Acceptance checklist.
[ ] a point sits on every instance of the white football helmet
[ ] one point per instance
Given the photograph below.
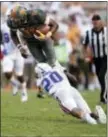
(41, 69)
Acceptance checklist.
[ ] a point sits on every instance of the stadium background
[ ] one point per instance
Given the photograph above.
(74, 18)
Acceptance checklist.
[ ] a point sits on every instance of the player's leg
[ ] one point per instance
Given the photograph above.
(48, 48)
(82, 104)
(36, 50)
(39, 89)
(24, 96)
(69, 106)
(19, 68)
(102, 73)
(49, 51)
(7, 68)
(40, 93)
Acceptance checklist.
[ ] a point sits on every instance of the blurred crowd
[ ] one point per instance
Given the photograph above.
(74, 18)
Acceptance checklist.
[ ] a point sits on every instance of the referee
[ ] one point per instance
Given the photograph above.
(96, 40)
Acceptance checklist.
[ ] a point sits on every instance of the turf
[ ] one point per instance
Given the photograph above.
(43, 117)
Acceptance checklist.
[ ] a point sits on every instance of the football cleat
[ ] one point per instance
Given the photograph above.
(15, 91)
(102, 116)
(24, 97)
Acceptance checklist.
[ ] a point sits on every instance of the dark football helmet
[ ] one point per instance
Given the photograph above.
(18, 16)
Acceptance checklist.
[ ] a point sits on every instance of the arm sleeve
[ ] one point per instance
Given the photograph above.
(86, 39)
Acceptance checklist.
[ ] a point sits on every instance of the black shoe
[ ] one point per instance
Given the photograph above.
(40, 96)
(93, 115)
(102, 102)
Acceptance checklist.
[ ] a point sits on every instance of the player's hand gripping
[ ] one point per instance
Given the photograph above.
(24, 50)
(42, 36)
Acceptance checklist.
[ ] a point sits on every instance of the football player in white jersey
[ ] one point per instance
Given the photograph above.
(56, 84)
(12, 62)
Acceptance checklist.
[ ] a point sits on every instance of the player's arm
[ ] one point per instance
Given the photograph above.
(21, 46)
(86, 48)
(14, 37)
(85, 41)
(16, 41)
(44, 19)
(13, 31)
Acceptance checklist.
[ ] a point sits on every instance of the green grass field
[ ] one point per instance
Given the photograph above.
(43, 117)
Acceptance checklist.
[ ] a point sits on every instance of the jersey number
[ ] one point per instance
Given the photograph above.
(53, 78)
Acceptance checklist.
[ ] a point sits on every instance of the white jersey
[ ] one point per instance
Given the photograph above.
(12, 59)
(53, 81)
(8, 44)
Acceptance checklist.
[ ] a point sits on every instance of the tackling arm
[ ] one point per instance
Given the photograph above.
(13, 31)
(23, 48)
(14, 37)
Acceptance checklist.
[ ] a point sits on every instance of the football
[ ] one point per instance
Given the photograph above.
(44, 29)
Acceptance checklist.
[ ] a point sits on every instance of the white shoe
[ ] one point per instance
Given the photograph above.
(101, 114)
(24, 97)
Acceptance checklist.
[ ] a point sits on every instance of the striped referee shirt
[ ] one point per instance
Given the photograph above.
(97, 40)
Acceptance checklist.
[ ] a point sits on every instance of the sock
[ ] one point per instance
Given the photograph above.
(15, 82)
(15, 85)
(23, 88)
(95, 116)
(86, 117)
